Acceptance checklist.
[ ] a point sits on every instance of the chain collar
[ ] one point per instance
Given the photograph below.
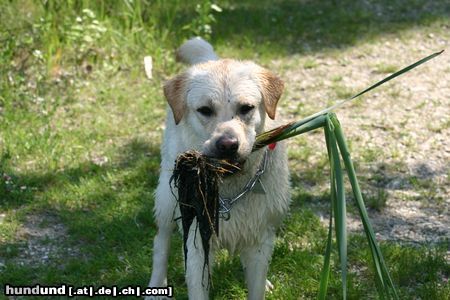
(225, 204)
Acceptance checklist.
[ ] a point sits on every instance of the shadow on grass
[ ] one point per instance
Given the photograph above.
(396, 176)
(415, 214)
(303, 26)
(106, 212)
(399, 176)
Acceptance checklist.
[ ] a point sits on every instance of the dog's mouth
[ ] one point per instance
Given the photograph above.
(235, 166)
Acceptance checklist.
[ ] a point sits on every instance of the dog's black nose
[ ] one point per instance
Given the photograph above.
(227, 146)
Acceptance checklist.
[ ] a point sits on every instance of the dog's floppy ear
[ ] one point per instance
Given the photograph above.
(175, 92)
(271, 90)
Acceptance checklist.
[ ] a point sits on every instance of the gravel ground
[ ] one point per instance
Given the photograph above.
(399, 133)
(45, 235)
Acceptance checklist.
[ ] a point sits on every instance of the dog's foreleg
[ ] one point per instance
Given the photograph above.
(161, 246)
(196, 270)
(255, 261)
(164, 213)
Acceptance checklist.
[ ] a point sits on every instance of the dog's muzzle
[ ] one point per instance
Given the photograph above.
(227, 147)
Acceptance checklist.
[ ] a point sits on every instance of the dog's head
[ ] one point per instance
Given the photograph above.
(224, 104)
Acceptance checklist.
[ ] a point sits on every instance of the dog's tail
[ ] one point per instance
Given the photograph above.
(196, 51)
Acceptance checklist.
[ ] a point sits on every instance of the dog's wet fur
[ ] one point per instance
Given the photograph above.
(218, 106)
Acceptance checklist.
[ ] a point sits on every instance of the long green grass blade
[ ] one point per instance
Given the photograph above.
(385, 284)
(340, 214)
(325, 275)
(335, 144)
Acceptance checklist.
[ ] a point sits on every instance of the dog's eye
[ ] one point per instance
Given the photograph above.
(206, 111)
(245, 109)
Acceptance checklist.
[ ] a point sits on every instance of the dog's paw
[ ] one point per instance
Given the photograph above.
(269, 286)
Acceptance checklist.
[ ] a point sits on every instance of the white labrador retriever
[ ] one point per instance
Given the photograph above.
(218, 106)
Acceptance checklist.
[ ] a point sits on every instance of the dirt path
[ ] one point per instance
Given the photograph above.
(399, 133)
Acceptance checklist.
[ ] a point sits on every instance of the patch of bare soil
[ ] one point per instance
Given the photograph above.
(45, 238)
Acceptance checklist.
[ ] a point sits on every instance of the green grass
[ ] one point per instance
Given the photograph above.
(386, 68)
(80, 130)
(309, 64)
